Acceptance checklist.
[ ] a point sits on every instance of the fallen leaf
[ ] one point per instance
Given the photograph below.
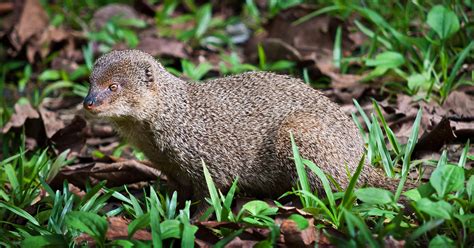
(315, 35)
(23, 111)
(51, 120)
(238, 242)
(5, 8)
(71, 137)
(118, 229)
(294, 237)
(277, 49)
(434, 140)
(116, 173)
(163, 47)
(32, 21)
(105, 13)
(43, 43)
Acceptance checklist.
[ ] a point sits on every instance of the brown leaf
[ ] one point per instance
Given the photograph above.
(51, 120)
(5, 8)
(71, 137)
(238, 242)
(433, 141)
(118, 229)
(162, 47)
(116, 173)
(313, 38)
(42, 44)
(23, 111)
(294, 237)
(277, 49)
(459, 103)
(286, 211)
(104, 14)
(32, 21)
(76, 190)
(306, 37)
(340, 81)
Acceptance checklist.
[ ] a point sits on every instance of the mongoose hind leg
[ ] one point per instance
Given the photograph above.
(323, 143)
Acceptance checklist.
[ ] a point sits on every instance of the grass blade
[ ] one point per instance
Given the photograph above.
(368, 124)
(382, 147)
(448, 85)
(388, 131)
(337, 52)
(325, 182)
(353, 221)
(212, 192)
(20, 212)
(408, 151)
(463, 158)
(352, 183)
(300, 170)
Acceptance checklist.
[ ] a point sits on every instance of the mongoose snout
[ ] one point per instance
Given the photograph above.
(238, 125)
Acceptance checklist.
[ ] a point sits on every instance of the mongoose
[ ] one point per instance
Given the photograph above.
(238, 125)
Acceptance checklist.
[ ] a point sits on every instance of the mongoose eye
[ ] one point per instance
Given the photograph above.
(113, 87)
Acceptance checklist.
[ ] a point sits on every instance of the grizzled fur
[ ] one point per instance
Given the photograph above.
(238, 125)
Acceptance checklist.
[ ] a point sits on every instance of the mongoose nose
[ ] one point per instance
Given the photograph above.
(88, 104)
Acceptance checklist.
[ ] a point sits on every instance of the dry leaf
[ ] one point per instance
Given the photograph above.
(23, 111)
(116, 173)
(32, 21)
(104, 14)
(71, 137)
(162, 47)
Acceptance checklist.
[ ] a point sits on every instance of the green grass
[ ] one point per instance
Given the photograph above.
(423, 60)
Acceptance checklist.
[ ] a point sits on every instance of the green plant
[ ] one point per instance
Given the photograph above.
(192, 71)
(257, 213)
(280, 65)
(378, 151)
(254, 17)
(161, 215)
(327, 209)
(206, 30)
(220, 204)
(24, 180)
(442, 204)
(55, 80)
(116, 30)
(425, 62)
(20, 177)
(231, 64)
(254, 213)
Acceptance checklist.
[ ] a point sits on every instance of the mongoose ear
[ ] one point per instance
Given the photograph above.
(149, 75)
(146, 72)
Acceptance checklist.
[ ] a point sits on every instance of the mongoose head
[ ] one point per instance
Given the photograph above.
(120, 82)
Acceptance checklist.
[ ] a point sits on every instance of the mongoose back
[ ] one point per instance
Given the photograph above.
(238, 125)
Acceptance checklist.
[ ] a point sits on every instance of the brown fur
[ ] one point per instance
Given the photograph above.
(238, 125)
